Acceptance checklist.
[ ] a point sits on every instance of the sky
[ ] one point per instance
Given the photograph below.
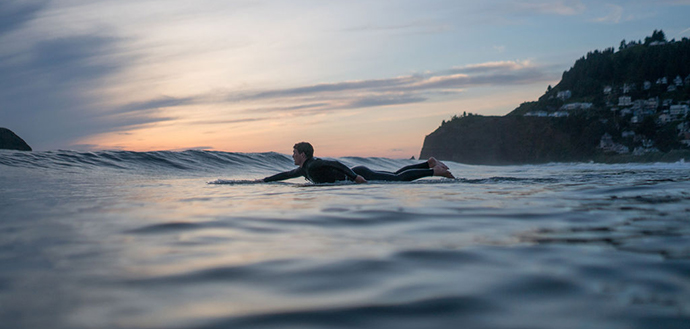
(355, 78)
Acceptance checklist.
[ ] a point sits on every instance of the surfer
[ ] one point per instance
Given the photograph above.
(329, 171)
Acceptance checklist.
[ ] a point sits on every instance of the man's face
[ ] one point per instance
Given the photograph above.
(298, 157)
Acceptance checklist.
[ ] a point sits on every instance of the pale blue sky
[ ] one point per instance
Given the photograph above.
(353, 77)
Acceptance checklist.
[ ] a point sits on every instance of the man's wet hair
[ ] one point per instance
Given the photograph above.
(306, 148)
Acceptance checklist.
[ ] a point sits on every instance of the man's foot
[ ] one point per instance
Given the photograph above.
(442, 170)
(433, 163)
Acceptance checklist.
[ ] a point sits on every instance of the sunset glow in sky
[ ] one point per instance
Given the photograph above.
(361, 78)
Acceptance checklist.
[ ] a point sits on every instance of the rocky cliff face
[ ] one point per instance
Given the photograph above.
(10, 141)
(512, 140)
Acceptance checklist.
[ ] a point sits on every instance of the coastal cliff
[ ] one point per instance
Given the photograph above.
(513, 140)
(10, 141)
(630, 105)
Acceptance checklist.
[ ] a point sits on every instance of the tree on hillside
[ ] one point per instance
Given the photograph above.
(656, 36)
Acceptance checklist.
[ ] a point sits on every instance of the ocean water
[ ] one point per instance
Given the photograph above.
(186, 240)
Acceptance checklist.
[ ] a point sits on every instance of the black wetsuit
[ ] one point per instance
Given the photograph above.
(329, 171)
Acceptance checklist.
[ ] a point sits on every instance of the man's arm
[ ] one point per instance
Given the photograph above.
(297, 172)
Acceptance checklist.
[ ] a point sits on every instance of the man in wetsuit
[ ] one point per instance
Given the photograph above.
(329, 171)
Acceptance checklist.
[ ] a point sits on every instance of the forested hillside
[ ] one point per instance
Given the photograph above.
(630, 104)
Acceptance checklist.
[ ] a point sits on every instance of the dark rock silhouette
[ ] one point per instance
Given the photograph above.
(511, 140)
(10, 141)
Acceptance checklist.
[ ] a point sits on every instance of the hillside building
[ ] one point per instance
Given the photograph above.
(628, 134)
(679, 111)
(678, 81)
(563, 95)
(652, 104)
(647, 147)
(628, 88)
(559, 114)
(576, 106)
(607, 145)
(684, 133)
(537, 114)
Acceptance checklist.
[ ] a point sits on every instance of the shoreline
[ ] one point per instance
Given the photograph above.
(669, 157)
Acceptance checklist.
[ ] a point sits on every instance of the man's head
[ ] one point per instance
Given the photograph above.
(302, 152)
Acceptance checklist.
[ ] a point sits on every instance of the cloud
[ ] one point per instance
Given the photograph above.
(49, 88)
(15, 13)
(303, 108)
(337, 87)
(323, 98)
(682, 32)
(349, 95)
(676, 2)
(155, 104)
(496, 73)
(48, 91)
(370, 94)
(384, 100)
(615, 15)
(56, 89)
(226, 122)
(489, 67)
(560, 8)
(412, 27)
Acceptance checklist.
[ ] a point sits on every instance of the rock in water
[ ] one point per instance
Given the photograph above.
(10, 141)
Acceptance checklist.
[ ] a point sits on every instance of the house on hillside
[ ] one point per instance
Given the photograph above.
(624, 101)
(662, 81)
(559, 114)
(628, 134)
(647, 147)
(647, 85)
(638, 105)
(563, 95)
(537, 114)
(678, 81)
(576, 106)
(608, 90)
(679, 111)
(628, 88)
(684, 133)
(652, 104)
(606, 144)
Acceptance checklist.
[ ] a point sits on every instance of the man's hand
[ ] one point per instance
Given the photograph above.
(359, 179)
